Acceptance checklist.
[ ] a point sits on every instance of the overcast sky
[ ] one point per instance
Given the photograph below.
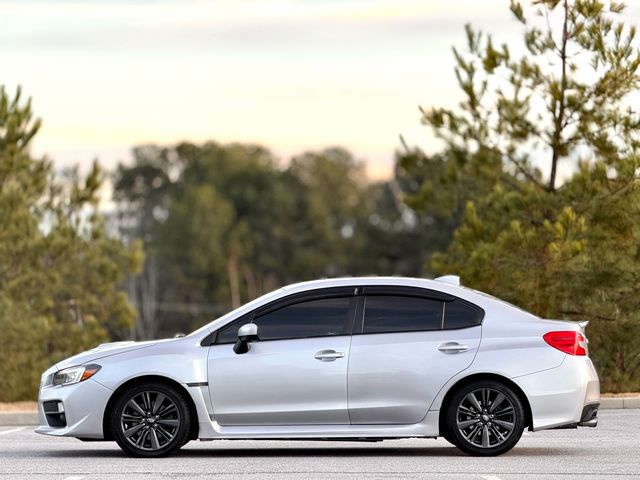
(289, 74)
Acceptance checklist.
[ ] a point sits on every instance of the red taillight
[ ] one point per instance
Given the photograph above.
(573, 343)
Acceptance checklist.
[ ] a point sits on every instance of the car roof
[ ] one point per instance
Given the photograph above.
(369, 280)
(442, 285)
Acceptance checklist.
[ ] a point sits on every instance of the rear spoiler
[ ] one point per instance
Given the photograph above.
(451, 279)
(583, 325)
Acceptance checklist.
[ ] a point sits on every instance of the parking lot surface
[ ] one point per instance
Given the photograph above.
(612, 450)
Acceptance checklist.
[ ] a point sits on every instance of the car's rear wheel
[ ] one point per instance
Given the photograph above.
(485, 418)
(150, 420)
(446, 434)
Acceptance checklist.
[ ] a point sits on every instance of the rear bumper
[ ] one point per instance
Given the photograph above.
(589, 416)
(566, 396)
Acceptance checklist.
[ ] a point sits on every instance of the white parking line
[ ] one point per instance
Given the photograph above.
(12, 430)
(491, 477)
(75, 477)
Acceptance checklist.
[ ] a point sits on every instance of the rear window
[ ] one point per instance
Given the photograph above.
(391, 313)
(460, 314)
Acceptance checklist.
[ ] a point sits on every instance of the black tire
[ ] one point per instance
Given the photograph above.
(446, 434)
(491, 424)
(150, 420)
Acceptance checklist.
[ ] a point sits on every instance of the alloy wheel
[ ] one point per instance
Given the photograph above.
(150, 420)
(486, 418)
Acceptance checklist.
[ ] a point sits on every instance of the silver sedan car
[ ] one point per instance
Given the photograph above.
(352, 358)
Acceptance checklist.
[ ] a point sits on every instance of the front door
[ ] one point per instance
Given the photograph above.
(295, 374)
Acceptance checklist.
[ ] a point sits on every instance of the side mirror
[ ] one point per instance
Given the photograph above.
(246, 333)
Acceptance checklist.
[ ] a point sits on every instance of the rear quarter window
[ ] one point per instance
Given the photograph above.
(461, 314)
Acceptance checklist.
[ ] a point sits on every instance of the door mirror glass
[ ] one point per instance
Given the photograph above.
(246, 333)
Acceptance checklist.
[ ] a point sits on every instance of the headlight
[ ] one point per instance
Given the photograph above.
(72, 375)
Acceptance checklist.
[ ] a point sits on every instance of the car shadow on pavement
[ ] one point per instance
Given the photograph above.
(313, 452)
(448, 451)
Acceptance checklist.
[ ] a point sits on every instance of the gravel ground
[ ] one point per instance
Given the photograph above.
(18, 407)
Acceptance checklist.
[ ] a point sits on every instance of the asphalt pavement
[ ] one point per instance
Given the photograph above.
(611, 450)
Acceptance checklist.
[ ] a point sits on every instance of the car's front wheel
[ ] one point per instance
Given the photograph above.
(150, 420)
(485, 418)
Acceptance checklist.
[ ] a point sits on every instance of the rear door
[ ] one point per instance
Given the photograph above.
(407, 343)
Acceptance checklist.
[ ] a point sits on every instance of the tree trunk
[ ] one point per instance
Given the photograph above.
(250, 280)
(234, 281)
(559, 115)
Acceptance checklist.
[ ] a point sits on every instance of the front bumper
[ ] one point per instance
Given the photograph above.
(82, 406)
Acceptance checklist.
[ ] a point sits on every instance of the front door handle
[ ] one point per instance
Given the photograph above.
(328, 355)
(452, 347)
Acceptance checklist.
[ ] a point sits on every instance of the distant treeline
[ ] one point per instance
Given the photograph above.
(223, 224)
(199, 229)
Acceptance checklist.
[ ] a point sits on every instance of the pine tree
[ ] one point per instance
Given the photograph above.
(59, 272)
(552, 136)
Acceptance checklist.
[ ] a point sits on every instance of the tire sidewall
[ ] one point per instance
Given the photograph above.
(182, 435)
(451, 419)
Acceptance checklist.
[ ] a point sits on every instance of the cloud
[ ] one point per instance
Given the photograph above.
(169, 24)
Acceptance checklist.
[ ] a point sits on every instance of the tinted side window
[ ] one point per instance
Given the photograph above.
(389, 313)
(458, 314)
(229, 334)
(313, 318)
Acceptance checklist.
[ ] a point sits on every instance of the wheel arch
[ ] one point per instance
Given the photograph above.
(106, 430)
(484, 376)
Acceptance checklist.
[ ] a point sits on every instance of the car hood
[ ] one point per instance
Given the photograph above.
(101, 351)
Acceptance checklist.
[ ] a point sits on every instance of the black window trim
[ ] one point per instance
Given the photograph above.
(357, 320)
(470, 304)
(407, 291)
(351, 292)
(416, 292)
(300, 297)
(362, 332)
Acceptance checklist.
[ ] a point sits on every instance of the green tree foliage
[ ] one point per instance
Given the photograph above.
(563, 245)
(59, 272)
(234, 224)
(223, 224)
(142, 194)
(246, 177)
(330, 185)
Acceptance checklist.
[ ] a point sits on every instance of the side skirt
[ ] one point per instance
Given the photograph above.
(427, 428)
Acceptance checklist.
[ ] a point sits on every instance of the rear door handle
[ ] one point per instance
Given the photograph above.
(328, 355)
(452, 347)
